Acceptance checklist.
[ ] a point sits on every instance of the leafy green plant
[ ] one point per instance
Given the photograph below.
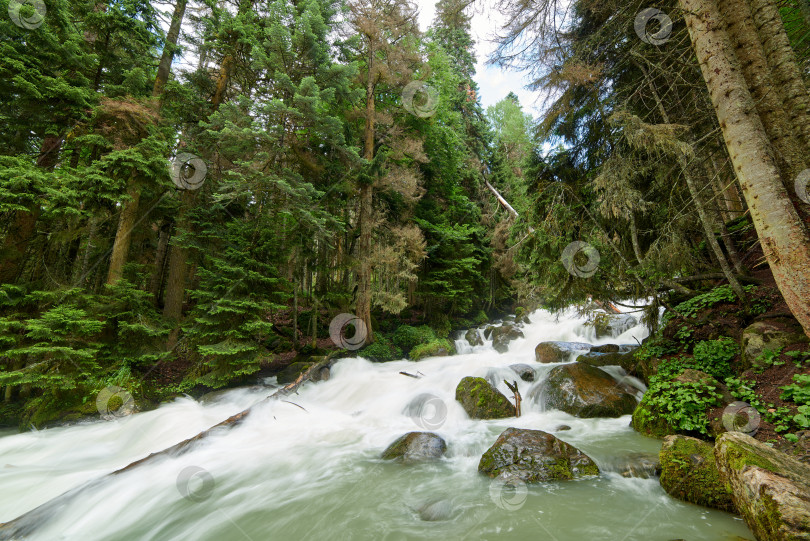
(697, 303)
(683, 404)
(714, 356)
(798, 391)
(768, 358)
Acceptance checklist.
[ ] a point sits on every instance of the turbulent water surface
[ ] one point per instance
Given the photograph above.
(289, 473)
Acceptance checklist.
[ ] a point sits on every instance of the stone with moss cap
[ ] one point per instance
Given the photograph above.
(535, 456)
(440, 347)
(689, 473)
(770, 489)
(585, 391)
(482, 401)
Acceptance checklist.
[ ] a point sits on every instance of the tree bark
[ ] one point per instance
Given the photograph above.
(782, 235)
(165, 65)
(787, 78)
(123, 235)
(755, 69)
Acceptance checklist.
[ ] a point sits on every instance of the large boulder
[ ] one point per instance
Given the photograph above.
(662, 401)
(534, 456)
(585, 391)
(557, 352)
(769, 335)
(415, 447)
(502, 335)
(609, 325)
(689, 473)
(291, 372)
(770, 489)
(473, 338)
(483, 401)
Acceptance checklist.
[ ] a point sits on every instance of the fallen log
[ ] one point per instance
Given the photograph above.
(26, 523)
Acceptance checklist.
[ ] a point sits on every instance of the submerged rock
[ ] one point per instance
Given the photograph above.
(689, 473)
(770, 489)
(473, 338)
(769, 335)
(483, 401)
(534, 456)
(585, 391)
(416, 447)
(436, 510)
(525, 371)
(501, 336)
(557, 352)
(639, 465)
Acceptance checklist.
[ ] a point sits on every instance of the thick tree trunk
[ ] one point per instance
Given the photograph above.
(165, 66)
(782, 235)
(123, 235)
(755, 69)
(176, 280)
(156, 283)
(787, 77)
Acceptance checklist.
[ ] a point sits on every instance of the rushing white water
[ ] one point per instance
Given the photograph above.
(288, 473)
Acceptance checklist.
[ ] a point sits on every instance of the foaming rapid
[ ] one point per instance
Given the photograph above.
(308, 467)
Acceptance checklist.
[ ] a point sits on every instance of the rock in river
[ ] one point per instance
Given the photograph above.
(482, 401)
(415, 447)
(525, 371)
(534, 456)
(585, 391)
(557, 352)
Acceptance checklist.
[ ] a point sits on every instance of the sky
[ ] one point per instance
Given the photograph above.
(494, 83)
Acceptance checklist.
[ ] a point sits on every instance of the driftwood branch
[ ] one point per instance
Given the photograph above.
(514, 388)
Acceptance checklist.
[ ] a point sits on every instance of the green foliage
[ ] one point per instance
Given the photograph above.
(714, 356)
(407, 337)
(682, 405)
(768, 358)
(382, 350)
(700, 302)
(798, 391)
(436, 347)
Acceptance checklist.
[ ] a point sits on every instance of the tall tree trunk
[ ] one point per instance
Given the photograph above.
(156, 283)
(787, 76)
(176, 279)
(782, 235)
(755, 69)
(123, 235)
(363, 306)
(165, 65)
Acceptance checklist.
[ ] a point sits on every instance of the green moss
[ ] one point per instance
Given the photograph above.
(482, 401)
(689, 473)
(438, 347)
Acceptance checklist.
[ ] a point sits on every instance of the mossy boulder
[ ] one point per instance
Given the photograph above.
(606, 348)
(661, 402)
(483, 401)
(534, 456)
(473, 338)
(689, 473)
(557, 352)
(291, 372)
(585, 391)
(770, 489)
(415, 447)
(439, 347)
(502, 335)
(769, 335)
